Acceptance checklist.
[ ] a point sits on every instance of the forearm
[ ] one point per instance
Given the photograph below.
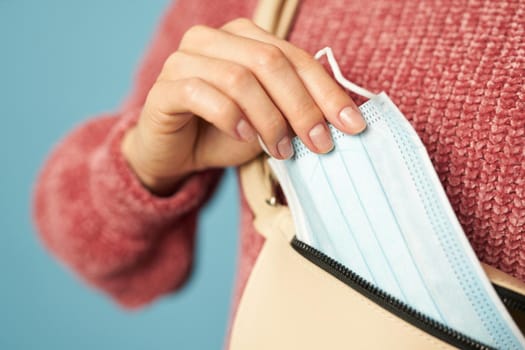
(94, 214)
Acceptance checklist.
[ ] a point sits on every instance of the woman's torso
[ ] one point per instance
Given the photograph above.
(456, 69)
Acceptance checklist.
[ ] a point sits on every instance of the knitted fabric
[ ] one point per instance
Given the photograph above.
(456, 69)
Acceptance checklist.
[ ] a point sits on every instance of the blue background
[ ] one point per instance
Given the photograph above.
(62, 62)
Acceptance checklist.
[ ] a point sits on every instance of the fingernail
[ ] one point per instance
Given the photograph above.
(352, 119)
(321, 138)
(245, 131)
(285, 148)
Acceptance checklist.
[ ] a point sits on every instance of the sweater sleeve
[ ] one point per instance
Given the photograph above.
(95, 216)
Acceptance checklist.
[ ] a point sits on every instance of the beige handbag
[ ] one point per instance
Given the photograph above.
(296, 298)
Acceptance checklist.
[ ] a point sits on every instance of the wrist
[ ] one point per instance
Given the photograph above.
(160, 186)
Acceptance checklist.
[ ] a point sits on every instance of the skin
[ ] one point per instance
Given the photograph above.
(222, 88)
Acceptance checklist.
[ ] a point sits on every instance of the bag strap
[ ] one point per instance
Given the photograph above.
(274, 16)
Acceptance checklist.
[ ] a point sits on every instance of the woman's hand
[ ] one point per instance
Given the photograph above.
(221, 89)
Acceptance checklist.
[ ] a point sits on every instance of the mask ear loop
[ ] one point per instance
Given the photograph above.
(327, 51)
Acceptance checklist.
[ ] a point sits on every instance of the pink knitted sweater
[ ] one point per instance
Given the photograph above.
(455, 68)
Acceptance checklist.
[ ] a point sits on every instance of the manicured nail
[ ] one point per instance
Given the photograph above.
(285, 148)
(321, 138)
(245, 131)
(352, 119)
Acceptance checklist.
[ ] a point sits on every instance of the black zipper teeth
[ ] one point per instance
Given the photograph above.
(385, 300)
(511, 304)
(511, 299)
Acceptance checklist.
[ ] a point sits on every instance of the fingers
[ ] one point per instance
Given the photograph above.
(276, 74)
(195, 96)
(335, 104)
(238, 83)
(270, 82)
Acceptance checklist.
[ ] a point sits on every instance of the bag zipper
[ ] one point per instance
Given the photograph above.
(510, 298)
(385, 300)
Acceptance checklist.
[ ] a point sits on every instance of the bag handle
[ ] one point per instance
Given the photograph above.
(274, 16)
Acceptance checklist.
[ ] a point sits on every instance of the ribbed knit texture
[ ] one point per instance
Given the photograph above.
(456, 69)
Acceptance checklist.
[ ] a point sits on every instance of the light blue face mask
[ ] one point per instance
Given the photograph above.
(376, 205)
